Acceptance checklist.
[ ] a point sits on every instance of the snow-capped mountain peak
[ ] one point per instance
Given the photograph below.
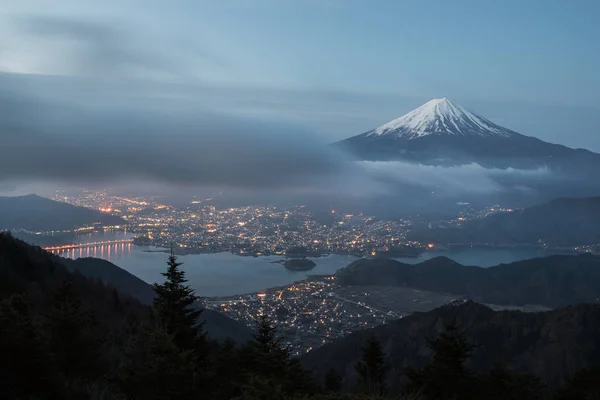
(440, 117)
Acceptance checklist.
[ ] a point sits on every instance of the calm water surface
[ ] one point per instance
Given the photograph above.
(223, 274)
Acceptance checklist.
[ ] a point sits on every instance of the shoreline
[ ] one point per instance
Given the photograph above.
(308, 278)
(436, 249)
(524, 246)
(184, 252)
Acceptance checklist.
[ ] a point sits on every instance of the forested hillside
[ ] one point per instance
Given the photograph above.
(553, 281)
(67, 336)
(551, 345)
(217, 325)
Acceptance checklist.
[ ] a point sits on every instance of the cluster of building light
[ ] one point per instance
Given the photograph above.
(307, 314)
(256, 230)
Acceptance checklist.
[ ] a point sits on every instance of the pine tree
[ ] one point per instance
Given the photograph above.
(502, 384)
(155, 368)
(177, 312)
(271, 358)
(227, 371)
(261, 388)
(27, 369)
(176, 307)
(299, 380)
(372, 369)
(266, 359)
(116, 299)
(73, 336)
(333, 381)
(266, 335)
(445, 376)
(584, 385)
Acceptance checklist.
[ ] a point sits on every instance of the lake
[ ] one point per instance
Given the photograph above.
(223, 274)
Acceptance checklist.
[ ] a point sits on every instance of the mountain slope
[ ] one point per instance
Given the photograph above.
(35, 273)
(29, 269)
(441, 132)
(552, 345)
(560, 222)
(35, 213)
(110, 274)
(218, 326)
(553, 281)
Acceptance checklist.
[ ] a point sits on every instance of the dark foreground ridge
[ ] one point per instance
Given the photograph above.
(553, 281)
(217, 325)
(100, 275)
(65, 335)
(552, 345)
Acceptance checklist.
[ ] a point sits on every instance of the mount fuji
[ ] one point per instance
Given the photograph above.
(440, 117)
(441, 132)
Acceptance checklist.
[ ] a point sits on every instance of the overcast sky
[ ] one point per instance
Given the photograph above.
(291, 75)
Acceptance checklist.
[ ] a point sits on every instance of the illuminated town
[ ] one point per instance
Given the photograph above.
(202, 226)
(311, 313)
(253, 230)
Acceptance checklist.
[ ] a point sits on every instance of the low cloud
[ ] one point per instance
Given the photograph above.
(45, 141)
(102, 144)
(470, 178)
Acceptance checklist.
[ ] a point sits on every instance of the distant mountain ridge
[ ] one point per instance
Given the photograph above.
(553, 281)
(560, 222)
(552, 345)
(35, 213)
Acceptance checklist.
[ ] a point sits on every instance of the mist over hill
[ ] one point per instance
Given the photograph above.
(461, 156)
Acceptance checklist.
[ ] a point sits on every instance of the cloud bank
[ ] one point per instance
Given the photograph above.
(79, 142)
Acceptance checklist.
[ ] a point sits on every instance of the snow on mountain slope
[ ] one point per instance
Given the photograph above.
(440, 117)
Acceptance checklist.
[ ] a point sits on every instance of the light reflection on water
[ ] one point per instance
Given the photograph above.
(111, 252)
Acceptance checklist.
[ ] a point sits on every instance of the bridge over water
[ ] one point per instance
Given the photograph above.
(83, 245)
(106, 249)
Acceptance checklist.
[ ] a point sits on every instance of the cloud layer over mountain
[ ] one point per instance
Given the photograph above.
(106, 121)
